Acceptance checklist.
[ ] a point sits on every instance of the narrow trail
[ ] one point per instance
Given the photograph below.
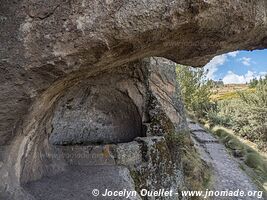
(226, 173)
(84, 175)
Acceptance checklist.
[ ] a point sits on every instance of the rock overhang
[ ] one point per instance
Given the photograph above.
(57, 39)
(104, 109)
(48, 47)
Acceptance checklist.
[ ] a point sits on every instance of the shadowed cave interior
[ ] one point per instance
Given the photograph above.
(95, 114)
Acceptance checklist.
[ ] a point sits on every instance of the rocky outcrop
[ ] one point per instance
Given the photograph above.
(97, 52)
(52, 43)
(118, 117)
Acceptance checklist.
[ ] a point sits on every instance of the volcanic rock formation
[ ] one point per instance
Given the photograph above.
(77, 73)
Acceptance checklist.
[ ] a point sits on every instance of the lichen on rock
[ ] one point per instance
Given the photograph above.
(52, 51)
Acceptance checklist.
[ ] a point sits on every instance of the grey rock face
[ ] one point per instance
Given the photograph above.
(158, 170)
(115, 178)
(53, 43)
(136, 165)
(95, 115)
(50, 49)
(125, 117)
(107, 108)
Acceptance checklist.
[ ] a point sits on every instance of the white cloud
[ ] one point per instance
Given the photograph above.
(217, 61)
(233, 54)
(231, 77)
(213, 65)
(246, 61)
(262, 74)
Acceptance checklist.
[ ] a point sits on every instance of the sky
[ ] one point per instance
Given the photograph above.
(238, 66)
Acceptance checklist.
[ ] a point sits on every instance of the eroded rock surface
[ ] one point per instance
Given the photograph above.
(96, 111)
(50, 47)
(43, 42)
(86, 179)
(126, 117)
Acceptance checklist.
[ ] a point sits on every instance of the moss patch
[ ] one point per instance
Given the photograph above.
(196, 171)
(158, 170)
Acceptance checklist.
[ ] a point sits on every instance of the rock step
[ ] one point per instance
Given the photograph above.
(86, 155)
(199, 133)
(195, 127)
(204, 137)
(78, 182)
(226, 173)
(129, 154)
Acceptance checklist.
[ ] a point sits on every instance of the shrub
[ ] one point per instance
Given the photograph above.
(246, 116)
(254, 161)
(214, 118)
(195, 90)
(251, 157)
(253, 123)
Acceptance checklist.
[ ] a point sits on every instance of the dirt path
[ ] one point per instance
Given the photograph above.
(79, 181)
(227, 175)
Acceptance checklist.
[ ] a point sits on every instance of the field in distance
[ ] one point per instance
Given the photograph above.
(229, 91)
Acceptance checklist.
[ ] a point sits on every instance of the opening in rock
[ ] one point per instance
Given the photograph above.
(95, 115)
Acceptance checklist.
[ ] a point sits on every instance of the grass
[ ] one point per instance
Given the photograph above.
(251, 159)
(196, 171)
(247, 153)
(228, 92)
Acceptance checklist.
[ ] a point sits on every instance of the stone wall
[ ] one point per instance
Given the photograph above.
(53, 51)
(116, 117)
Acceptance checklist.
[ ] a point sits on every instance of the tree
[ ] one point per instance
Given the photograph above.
(195, 89)
(255, 113)
(253, 83)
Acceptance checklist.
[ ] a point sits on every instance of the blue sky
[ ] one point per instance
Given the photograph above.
(238, 66)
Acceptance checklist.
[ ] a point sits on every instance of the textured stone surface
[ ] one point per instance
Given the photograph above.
(226, 172)
(127, 97)
(158, 170)
(113, 178)
(129, 154)
(91, 167)
(89, 155)
(49, 47)
(95, 114)
(203, 137)
(42, 42)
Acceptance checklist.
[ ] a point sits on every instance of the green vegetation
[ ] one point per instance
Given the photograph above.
(256, 82)
(242, 109)
(195, 90)
(237, 107)
(250, 156)
(246, 116)
(197, 173)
